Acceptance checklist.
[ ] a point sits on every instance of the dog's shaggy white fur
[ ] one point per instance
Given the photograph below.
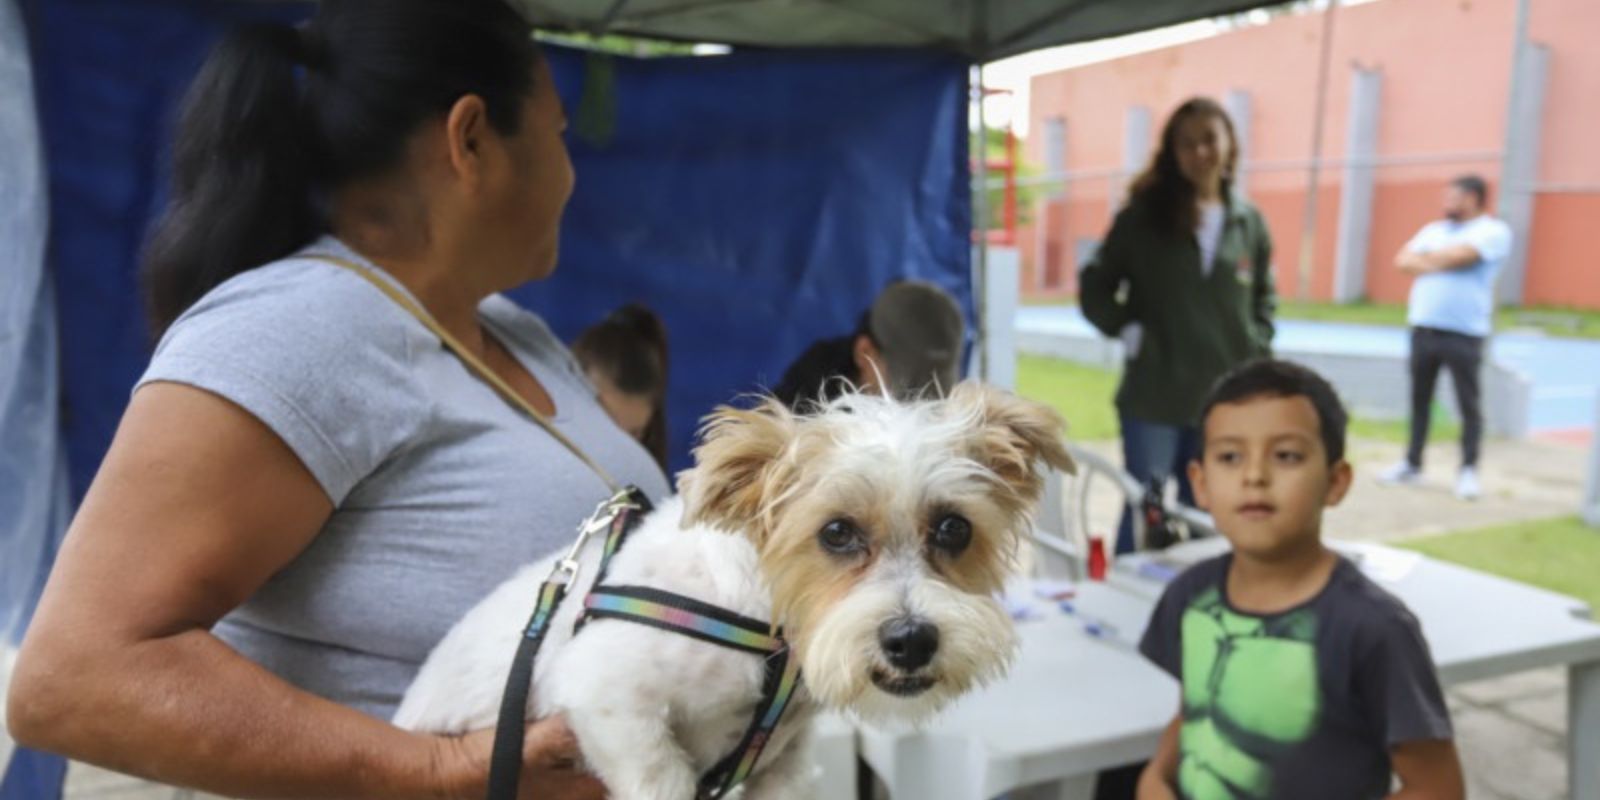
(876, 533)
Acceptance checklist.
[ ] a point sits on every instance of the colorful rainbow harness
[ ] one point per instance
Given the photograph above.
(643, 605)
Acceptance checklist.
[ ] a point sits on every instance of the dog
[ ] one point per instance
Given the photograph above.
(877, 533)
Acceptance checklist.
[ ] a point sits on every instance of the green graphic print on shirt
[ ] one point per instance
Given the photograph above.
(1250, 693)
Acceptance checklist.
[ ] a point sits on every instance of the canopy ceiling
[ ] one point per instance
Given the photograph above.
(982, 30)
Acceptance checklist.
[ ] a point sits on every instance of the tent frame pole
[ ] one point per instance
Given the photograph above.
(1308, 223)
(980, 229)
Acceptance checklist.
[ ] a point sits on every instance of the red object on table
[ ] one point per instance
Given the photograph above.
(1097, 558)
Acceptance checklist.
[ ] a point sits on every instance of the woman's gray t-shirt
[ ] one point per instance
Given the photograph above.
(441, 489)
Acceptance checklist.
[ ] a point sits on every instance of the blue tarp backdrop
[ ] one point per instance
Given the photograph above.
(756, 200)
(110, 75)
(107, 75)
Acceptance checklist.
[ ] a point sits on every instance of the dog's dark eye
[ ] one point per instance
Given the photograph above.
(952, 533)
(841, 538)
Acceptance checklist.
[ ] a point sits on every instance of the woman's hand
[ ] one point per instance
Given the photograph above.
(552, 765)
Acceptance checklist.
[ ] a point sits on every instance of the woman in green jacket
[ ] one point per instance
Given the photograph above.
(1184, 279)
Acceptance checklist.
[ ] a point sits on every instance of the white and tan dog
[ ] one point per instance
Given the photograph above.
(876, 533)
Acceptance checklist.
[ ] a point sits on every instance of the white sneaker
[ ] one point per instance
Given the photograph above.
(1400, 474)
(1467, 486)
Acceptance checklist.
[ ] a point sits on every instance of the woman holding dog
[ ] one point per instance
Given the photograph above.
(1184, 279)
(307, 488)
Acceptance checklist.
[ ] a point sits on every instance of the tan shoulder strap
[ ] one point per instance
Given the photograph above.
(473, 363)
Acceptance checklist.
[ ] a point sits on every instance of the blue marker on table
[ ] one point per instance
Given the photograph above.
(1094, 626)
(1157, 571)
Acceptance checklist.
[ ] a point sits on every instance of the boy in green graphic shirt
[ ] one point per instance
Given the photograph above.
(1301, 678)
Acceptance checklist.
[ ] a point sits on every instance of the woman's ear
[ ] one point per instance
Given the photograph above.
(465, 131)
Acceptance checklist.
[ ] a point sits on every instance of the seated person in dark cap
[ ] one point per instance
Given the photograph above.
(909, 342)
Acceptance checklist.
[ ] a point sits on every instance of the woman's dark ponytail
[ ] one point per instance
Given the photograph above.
(279, 118)
(242, 166)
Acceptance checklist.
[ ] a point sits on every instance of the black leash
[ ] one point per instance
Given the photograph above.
(618, 514)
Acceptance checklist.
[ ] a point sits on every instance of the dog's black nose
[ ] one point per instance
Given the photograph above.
(908, 642)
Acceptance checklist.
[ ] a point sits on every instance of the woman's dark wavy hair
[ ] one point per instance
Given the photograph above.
(1162, 187)
(629, 347)
(278, 117)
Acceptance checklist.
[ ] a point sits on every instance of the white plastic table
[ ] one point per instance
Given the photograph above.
(833, 752)
(1075, 703)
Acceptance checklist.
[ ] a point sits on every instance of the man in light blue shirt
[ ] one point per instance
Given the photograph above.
(1455, 260)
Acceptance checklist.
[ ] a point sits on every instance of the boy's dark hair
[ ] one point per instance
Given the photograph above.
(1273, 378)
(1474, 185)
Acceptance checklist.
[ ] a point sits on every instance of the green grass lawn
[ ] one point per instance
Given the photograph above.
(1553, 321)
(1084, 395)
(1444, 427)
(1569, 322)
(1357, 313)
(1560, 554)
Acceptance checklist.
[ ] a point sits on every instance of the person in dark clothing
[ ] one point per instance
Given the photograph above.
(908, 343)
(1184, 279)
(1451, 314)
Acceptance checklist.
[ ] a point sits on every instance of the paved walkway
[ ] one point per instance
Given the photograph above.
(1522, 480)
(1512, 734)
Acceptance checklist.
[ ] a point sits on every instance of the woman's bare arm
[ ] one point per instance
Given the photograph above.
(196, 505)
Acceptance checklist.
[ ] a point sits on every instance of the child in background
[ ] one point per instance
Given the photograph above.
(1301, 678)
(625, 357)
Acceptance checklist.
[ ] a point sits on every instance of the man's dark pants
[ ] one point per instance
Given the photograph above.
(1431, 349)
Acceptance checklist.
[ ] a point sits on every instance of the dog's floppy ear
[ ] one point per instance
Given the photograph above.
(1015, 433)
(736, 465)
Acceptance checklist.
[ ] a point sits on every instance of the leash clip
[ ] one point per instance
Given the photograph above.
(567, 569)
